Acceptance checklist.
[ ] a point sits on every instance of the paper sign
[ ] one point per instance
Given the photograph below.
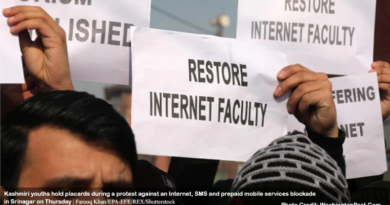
(11, 68)
(359, 115)
(98, 35)
(204, 97)
(335, 37)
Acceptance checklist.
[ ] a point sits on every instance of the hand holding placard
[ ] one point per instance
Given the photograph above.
(46, 58)
(311, 102)
(359, 115)
(98, 45)
(383, 71)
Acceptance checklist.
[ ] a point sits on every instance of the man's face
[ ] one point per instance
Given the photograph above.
(57, 158)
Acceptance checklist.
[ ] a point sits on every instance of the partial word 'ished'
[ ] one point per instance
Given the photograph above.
(100, 32)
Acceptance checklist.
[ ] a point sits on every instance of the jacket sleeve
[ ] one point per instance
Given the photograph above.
(333, 146)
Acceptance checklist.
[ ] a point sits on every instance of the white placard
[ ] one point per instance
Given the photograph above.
(98, 35)
(335, 37)
(189, 91)
(359, 115)
(11, 68)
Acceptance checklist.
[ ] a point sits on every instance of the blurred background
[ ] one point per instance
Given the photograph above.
(217, 17)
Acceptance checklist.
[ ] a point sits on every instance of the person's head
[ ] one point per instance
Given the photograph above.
(66, 139)
(290, 164)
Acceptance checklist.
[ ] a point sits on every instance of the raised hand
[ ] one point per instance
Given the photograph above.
(311, 100)
(383, 71)
(45, 58)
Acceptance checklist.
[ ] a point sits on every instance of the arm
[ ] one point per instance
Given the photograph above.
(333, 146)
(311, 102)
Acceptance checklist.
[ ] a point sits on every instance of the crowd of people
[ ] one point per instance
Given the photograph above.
(55, 137)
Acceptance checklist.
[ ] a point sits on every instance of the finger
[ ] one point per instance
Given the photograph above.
(6, 12)
(27, 15)
(378, 64)
(297, 79)
(38, 24)
(12, 11)
(303, 89)
(36, 14)
(44, 29)
(384, 86)
(290, 70)
(30, 83)
(316, 98)
(384, 78)
(380, 67)
(24, 40)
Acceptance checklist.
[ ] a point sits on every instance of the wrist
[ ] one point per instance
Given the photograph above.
(333, 132)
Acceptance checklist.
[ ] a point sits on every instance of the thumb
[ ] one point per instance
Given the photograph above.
(24, 41)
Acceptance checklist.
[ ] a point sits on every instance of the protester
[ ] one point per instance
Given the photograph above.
(66, 139)
(295, 163)
(311, 101)
(247, 179)
(59, 139)
(291, 164)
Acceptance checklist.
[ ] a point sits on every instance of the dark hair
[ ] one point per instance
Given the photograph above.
(93, 119)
